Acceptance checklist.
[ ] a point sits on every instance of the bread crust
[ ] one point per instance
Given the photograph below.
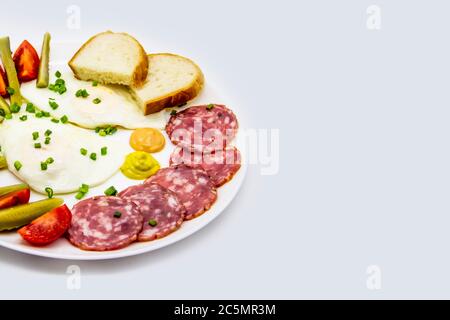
(178, 97)
(141, 70)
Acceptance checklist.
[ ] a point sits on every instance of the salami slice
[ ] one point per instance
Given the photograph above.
(104, 223)
(203, 128)
(192, 186)
(221, 165)
(163, 213)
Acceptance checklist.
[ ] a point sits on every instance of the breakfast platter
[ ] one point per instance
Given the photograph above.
(108, 150)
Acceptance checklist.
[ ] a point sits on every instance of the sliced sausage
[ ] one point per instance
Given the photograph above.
(221, 165)
(104, 223)
(163, 213)
(192, 186)
(203, 128)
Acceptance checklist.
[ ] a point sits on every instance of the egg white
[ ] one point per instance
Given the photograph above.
(117, 107)
(70, 168)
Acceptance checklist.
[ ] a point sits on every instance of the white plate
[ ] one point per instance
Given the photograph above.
(62, 249)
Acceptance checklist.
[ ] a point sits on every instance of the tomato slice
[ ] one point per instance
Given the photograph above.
(15, 198)
(3, 83)
(26, 60)
(48, 227)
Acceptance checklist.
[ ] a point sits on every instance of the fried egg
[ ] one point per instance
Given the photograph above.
(60, 156)
(105, 105)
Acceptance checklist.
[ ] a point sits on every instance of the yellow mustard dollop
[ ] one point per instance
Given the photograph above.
(139, 165)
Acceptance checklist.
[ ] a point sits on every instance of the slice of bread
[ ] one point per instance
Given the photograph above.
(172, 80)
(111, 58)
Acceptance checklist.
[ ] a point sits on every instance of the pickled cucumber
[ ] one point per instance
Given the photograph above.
(43, 77)
(13, 188)
(8, 63)
(4, 106)
(19, 216)
(3, 164)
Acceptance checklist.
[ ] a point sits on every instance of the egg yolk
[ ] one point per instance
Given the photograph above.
(147, 139)
(139, 165)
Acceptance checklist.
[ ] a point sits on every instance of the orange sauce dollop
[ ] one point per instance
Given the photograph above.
(147, 140)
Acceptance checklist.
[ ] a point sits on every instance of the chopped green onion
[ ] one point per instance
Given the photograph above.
(48, 133)
(64, 119)
(50, 160)
(8, 116)
(83, 151)
(59, 86)
(35, 135)
(30, 108)
(111, 191)
(17, 165)
(82, 93)
(10, 91)
(84, 188)
(111, 130)
(80, 195)
(104, 131)
(55, 120)
(39, 114)
(58, 74)
(95, 83)
(173, 112)
(82, 191)
(93, 156)
(44, 166)
(117, 214)
(152, 223)
(46, 114)
(47, 140)
(53, 105)
(37, 145)
(96, 101)
(49, 192)
(15, 108)
(210, 107)
(104, 151)
(23, 118)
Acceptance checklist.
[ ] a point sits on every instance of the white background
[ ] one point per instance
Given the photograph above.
(364, 173)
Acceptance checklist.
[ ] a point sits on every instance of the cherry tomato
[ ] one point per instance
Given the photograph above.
(3, 83)
(15, 198)
(26, 60)
(48, 227)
